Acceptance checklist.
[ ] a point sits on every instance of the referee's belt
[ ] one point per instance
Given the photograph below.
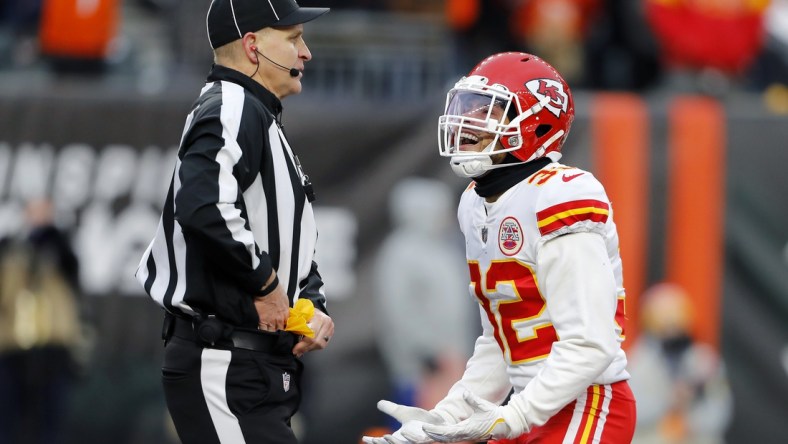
(215, 333)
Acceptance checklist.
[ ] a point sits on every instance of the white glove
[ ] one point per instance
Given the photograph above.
(395, 438)
(412, 419)
(488, 421)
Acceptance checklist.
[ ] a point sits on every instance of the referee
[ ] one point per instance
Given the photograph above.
(235, 246)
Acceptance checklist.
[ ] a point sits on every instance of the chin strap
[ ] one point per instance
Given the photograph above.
(471, 166)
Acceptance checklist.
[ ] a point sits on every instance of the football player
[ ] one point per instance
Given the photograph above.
(543, 255)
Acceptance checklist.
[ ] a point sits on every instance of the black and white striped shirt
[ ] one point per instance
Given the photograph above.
(235, 210)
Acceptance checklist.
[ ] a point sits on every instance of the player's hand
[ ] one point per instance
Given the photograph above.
(323, 326)
(395, 438)
(273, 309)
(412, 419)
(487, 421)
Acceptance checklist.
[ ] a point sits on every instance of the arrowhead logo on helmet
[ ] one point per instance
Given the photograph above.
(551, 89)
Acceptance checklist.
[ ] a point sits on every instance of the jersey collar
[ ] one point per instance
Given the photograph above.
(219, 72)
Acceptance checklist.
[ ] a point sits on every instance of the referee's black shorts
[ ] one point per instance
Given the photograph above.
(231, 395)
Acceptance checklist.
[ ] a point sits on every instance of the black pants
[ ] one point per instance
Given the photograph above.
(230, 396)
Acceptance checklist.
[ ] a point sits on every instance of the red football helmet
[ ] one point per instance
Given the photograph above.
(517, 97)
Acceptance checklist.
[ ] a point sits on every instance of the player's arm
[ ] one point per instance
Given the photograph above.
(578, 281)
(575, 273)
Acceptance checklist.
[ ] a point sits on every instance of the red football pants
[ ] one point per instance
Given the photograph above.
(603, 414)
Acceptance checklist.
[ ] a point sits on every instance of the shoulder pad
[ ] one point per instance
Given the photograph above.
(570, 196)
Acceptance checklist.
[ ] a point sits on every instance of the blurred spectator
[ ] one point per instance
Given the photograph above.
(420, 294)
(479, 28)
(698, 34)
(711, 42)
(770, 70)
(620, 51)
(679, 384)
(555, 30)
(77, 35)
(777, 22)
(39, 330)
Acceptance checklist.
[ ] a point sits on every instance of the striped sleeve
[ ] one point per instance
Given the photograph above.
(312, 289)
(209, 204)
(569, 213)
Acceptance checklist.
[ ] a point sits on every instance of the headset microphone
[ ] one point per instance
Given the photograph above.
(293, 71)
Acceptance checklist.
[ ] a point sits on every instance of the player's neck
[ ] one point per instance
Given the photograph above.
(493, 184)
(493, 199)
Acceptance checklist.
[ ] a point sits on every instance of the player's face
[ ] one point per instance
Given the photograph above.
(480, 108)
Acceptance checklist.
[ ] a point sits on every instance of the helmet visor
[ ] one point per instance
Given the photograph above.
(477, 106)
(468, 114)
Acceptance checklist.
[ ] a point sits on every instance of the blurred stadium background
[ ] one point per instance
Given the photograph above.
(682, 111)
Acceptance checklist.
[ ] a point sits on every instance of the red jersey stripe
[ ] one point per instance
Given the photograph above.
(568, 213)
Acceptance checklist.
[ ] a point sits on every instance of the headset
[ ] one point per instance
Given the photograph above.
(293, 71)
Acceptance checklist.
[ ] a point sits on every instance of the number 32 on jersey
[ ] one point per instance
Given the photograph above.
(509, 317)
(516, 320)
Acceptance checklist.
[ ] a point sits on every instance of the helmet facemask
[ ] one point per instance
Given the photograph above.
(474, 111)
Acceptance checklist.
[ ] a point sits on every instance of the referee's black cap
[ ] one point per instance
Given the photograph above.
(229, 20)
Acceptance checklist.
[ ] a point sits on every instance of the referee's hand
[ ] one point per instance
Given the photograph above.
(323, 326)
(273, 310)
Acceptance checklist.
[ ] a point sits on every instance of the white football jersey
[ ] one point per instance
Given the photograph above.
(544, 318)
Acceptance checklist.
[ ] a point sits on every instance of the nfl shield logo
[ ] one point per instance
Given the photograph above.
(286, 381)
